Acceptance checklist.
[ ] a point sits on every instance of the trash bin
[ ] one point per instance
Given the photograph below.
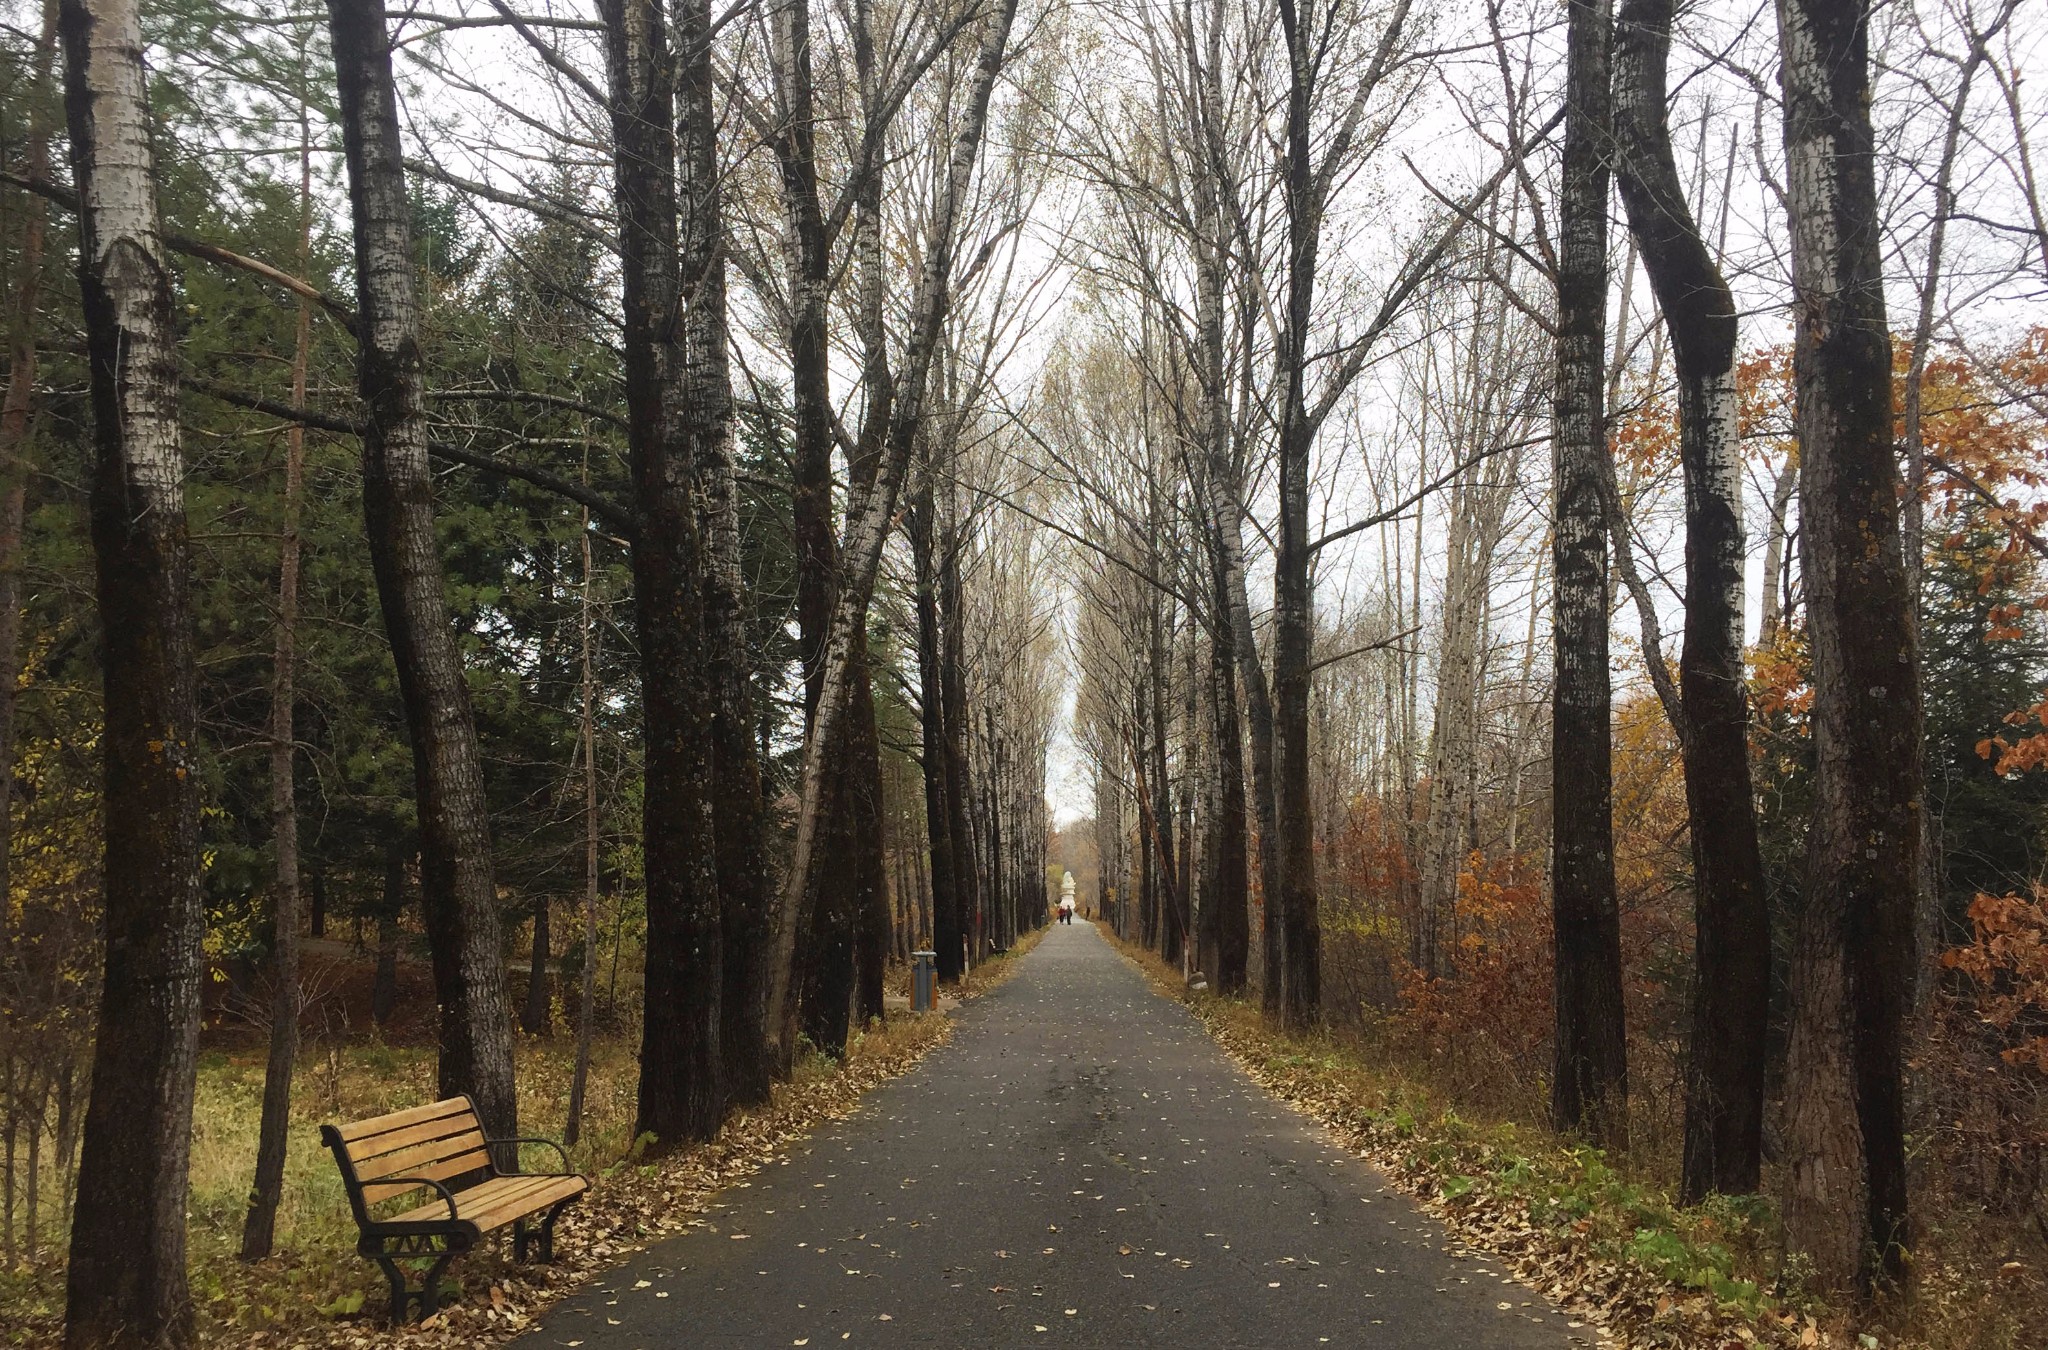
(924, 981)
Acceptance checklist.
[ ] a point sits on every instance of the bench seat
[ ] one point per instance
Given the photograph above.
(493, 1204)
(426, 1182)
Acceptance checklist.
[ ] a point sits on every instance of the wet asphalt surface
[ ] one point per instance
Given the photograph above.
(1080, 1165)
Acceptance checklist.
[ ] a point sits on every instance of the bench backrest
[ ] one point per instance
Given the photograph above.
(388, 1156)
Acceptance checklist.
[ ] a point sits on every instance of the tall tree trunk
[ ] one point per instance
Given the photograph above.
(1172, 903)
(1258, 706)
(869, 860)
(870, 522)
(458, 895)
(738, 817)
(258, 1227)
(967, 866)
(1233, 882)
(682, 1053)
(934, 760)
(865, 758)
(586, 1015)
(126, 1282)
(1852, 963)
(1589, 1090)
(1724, 1088)
(15, 414)
(1293, 601)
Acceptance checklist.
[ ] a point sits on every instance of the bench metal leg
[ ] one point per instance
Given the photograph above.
(428, 1294)
(523, 1239)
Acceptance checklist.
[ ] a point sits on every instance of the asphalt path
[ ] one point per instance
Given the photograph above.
(1081, 1166)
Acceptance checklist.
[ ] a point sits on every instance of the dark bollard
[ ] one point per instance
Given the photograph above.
(924, 981)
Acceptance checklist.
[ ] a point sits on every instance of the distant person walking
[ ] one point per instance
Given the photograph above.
(1066, 907)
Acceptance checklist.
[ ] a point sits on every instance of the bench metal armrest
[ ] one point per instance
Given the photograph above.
(446, 1194)
(567, 1170)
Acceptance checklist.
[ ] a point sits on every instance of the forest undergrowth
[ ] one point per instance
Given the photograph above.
(316, 1292)
(1602, 1237)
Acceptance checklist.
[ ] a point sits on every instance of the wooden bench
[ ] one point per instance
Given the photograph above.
(441, 1148)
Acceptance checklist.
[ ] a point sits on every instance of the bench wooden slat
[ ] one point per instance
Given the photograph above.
(391, 1141)
(474, 1161)
(504, 1211)
(408, 1161)
(363, 1129)
(496, 1202)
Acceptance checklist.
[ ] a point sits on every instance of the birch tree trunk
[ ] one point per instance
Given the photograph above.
(1852, 964)
(682, 1050)
(1724, 1092)
(458, 894)
(259, 1224)
(126, 1282)
(1589, 1090)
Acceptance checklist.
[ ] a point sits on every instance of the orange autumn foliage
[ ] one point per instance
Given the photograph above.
(2007, 960)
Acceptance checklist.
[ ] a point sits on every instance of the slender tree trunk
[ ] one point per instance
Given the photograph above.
(682, 1053)
(1770, 617)
(1589, 1090)
(533, 1014)
(967, 866)
(126, 1282)
(258, 1227)
(936, 760)
(869, 861)
(1724, 1096)
(1852, 963)
(1172, 904)
(1453, 727)
(586, 1013)
(1231, 882)
(384, 980)
(458, 894)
